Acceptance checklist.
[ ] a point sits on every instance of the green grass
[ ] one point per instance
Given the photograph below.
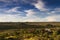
(30, 31)
(31, 34)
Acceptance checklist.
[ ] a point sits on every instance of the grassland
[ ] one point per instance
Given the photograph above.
(30, 31)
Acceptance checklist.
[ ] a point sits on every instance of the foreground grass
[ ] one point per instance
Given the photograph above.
(31, 34)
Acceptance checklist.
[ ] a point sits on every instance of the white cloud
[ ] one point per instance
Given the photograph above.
(30, 12)
(17, 18)
(51, 13)
(50, 18)
(57, 9)
(9, 18)
(53, 18)
(30, 16)
(54, 12)
(40, 5)
(13, 10)
(30, 19)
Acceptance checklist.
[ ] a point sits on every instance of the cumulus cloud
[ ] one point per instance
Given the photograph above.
(30, 18)
(40, 5)
(12, 10)
(9, 18)
(50, 18)
(13, 15)
(55, 11)
(30, 12)
(53, 18)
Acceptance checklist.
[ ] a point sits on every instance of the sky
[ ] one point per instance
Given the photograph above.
(29, 10)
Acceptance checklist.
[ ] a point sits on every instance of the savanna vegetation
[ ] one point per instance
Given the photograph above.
(25, 31)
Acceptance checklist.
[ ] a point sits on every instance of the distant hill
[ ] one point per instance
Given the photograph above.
(18, 25)
(43, 23)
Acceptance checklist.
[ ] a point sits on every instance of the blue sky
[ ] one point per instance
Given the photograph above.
(29, 10)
